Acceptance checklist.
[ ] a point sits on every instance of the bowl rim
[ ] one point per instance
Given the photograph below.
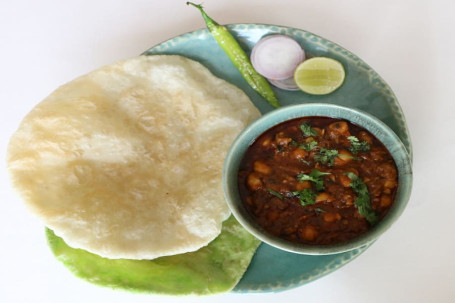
(369, 122)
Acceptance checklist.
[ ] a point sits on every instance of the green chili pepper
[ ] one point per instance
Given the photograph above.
(239, 58)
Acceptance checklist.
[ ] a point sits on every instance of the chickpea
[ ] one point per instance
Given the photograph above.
(331, 217)
(309, 233)
(377, 154)
(364, 136)
(338, 128)
(386, 200)
(262, 168)
(376, 189)
(281, 139)
(388, 171)
(343, 158)
(348, 200)
(299, 153)
(303, 185)
(319, 131)
(322, 197)
(344, 180)
(390, 184)
(290, 230)
(266, 142)
(254, 181)
(331, 177)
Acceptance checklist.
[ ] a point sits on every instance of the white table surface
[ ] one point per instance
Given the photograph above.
(411, 44)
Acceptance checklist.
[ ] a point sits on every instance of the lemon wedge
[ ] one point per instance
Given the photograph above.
(319, 75)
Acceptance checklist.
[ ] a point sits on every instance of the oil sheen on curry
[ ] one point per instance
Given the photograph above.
(317, 180)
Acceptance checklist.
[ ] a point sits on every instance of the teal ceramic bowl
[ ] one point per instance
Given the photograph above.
(363, 119)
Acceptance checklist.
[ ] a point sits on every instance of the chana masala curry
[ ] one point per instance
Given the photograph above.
(317, 180)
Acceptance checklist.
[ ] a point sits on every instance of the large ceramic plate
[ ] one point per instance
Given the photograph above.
(272, 269)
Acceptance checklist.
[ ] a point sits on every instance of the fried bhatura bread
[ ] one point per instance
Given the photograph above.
(126, 161)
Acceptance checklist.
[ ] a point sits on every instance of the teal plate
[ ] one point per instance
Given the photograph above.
(273, 270)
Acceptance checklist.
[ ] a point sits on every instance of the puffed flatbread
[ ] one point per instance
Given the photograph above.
(126, 161)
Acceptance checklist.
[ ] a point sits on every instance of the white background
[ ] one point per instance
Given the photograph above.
(411, 44)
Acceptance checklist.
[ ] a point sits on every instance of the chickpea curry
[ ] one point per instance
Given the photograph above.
(317, 180)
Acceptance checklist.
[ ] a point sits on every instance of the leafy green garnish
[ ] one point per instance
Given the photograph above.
(315, 176)
(357, 146)
(304, 161)
(306, 196)
(275, 193)
(319, 210)
(309, 146)
(293, 143)
(307, 130)
(326, 156)
(363, 198)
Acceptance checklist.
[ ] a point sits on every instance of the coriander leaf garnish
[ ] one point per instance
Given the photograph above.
(309, 146)
(326, 156)
(319, 210)
(307, 130)
(306, 196)
(275, 193)
(304, 161)
(363, 198)
(357, 146)
(315, 176)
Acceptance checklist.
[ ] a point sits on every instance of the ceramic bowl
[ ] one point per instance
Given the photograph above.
(363, 119)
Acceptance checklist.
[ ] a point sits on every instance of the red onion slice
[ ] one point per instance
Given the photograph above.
(277, 56)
